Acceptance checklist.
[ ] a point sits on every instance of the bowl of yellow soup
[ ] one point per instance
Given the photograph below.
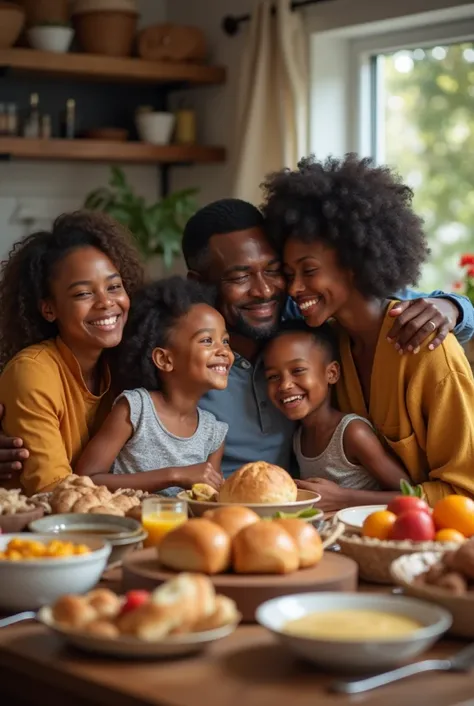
(354, 632)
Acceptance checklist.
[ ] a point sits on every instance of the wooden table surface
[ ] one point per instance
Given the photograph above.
(246, 669)
(249, 668)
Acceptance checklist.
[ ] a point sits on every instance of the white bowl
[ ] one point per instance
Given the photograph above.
(354, 656)
(354, 517)
(55, 39)
(305, 500)
(131, 647)
(155, 128)
(30, 584)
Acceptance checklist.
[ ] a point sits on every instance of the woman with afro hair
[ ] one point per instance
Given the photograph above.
(349, 239)
(64, 298)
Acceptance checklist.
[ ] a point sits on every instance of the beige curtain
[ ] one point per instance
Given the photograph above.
(272, 108)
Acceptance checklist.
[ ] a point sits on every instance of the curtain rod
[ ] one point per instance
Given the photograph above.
(231, 23)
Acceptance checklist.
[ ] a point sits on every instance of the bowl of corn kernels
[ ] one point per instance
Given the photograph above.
(35, 569)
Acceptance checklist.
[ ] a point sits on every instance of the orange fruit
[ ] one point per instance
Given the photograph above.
(378, 524)
(455, 512)
(449, 535)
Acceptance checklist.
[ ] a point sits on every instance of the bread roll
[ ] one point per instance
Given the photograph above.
(147, 622)
(73, 611)
(308, 541)
(225, 613)
(232, 519)
(106, 603)
(186, 599)
(264, 548)
(259, 482)
(102, 628)
(197, 545)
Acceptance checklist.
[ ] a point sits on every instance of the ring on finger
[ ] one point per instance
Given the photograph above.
(432, 325)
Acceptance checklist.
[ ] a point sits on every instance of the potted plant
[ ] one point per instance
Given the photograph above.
(51, 36)
(157, 228)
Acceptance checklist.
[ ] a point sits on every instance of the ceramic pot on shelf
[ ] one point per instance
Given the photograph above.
(106, 27)
(12, 19)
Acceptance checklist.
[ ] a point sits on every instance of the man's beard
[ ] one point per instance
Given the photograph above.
(256, 333)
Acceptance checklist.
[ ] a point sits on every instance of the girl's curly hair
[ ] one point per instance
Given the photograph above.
(364, 212)
(26, 274)
(155, 310)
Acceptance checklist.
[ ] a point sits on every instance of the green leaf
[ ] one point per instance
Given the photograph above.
(157, 228)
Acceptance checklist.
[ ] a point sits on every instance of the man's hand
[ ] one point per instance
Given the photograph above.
(11, 454)
(417, 319)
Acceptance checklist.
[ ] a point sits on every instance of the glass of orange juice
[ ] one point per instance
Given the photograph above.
(160, 515)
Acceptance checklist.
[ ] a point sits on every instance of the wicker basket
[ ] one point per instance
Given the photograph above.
(375, 557)
(106, 33)
(45, 11)
(405, 569)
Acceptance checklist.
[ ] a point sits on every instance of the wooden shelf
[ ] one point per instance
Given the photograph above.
(92, 67)
(98, 151)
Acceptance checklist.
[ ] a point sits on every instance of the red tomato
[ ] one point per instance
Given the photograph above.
(405, 503)
(415, 525)
(134, 599)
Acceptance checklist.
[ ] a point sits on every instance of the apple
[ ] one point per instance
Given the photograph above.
(406, 503)
(415, 525)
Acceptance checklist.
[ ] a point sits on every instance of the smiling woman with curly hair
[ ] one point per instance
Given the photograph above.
(349, 238)
(64, 298)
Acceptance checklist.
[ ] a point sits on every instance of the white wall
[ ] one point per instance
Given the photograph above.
(32, 193)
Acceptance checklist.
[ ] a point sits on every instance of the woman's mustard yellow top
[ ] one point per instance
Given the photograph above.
(49, 406)
(422, 405)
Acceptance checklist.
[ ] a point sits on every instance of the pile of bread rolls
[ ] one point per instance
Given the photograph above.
(236, 538)
(187, 603)
(80, 494)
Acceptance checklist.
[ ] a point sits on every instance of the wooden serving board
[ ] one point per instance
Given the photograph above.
(141, 569)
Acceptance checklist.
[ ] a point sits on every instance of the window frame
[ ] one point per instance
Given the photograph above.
(340, 76)
(363, 58)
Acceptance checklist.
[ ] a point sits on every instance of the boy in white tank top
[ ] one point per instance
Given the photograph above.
(301, 368)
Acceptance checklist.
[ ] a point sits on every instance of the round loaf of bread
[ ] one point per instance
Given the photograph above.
(197, 545)
(232, 519)
(308, 541)
(259, 482)
(264, 548)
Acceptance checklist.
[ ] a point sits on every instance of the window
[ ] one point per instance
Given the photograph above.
(417, 114)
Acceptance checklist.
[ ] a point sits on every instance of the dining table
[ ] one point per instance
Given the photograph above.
(248, 668)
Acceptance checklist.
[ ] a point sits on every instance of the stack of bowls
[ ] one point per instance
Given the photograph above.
(122, 533)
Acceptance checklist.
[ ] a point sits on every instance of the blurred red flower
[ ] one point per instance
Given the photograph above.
(466, 259)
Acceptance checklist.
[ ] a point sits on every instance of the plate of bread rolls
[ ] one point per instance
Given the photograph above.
(180, 617)
(261, 486)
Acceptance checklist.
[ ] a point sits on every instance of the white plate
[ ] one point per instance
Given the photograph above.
(354, 517)
(305, 499)
(132, 648)
(355, 656)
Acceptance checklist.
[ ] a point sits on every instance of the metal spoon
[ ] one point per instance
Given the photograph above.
(463, 661)
(17, 618)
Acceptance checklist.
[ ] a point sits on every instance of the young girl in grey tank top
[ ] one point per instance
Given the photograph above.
(175, 349)
(301, 368)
